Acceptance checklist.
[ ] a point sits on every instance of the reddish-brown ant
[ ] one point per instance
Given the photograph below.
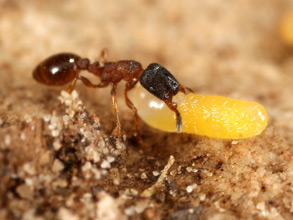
(63, 68)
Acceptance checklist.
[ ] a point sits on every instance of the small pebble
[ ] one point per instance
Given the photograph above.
(189, 169)
(156, 173)
(190, 188)
(57, 166)
(25, 191)
(110, 159)
(129, 211)
(7, 140)
(105, 164)
(143, 176)
(23, 136)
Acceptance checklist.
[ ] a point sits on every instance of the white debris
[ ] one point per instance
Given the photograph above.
(105, 164)
(143, 176)
(156, 173)
(110, 159)
(107, 208)
(190, 188)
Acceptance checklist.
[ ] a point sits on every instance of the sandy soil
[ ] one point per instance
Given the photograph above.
(59, 161)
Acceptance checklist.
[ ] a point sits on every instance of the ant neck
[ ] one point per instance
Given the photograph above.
(95, 68)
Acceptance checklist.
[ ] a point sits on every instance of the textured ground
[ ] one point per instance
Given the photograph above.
(59, 160)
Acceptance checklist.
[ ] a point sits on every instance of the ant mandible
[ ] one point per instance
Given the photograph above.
(63, 68)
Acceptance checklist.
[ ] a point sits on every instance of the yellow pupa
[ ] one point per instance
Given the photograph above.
(208, 115)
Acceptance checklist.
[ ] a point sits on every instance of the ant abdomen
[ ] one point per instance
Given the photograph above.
(58, 69)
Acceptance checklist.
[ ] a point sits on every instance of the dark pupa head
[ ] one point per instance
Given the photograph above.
(58, 69)
(159, 81)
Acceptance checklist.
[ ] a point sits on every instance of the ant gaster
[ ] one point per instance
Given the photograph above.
(63, 68)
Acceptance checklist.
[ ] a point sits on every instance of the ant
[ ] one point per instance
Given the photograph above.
(63, 68)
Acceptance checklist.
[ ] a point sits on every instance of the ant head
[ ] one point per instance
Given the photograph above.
(159, 81)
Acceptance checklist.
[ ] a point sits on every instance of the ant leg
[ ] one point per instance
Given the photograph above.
(86, 82)
(173, 106)
(104, 55)
(128, 87)
(183, 89)
(114, 103)
(72, 85)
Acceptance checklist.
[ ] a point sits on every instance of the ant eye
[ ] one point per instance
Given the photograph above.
(212, 116)
(159, 81)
